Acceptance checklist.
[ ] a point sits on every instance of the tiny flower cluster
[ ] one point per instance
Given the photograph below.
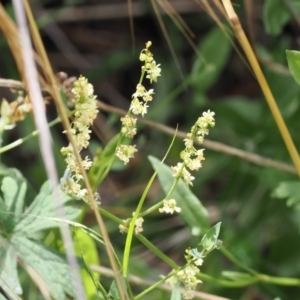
(85, 107)
(169, 207)
(13, 112)
(192, 158)
(188, 276)
(152, 69)
(138, 225)
(125, 152)
(139, 104)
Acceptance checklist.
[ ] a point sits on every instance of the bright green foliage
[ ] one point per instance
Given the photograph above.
(210, 240)
(19, 232)
(276, 14)
(289, 190)
(85, 241)
(192, 211)
(207, 70)
(101, 161)
(113, 291)
(293, 58)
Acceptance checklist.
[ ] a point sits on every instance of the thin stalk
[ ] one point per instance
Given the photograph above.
(279, 280)
(255, 278)
(27, 137)
(152, 287)
(228, 283)
(157, 252)
(60, 106)
(236, 261)
(209, 144)
(45, 141)
(240, 34)
(110, 216)
(138, 209)
(151, 209)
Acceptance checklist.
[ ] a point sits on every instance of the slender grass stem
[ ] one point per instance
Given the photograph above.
(240, 34)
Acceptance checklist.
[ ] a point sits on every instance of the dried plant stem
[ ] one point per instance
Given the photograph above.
(240, 34)
(32, 82)
(254, 158)
(10, 83)
(39, 282)
(55, 93)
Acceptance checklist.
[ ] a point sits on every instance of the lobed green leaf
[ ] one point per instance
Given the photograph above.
(18, 230)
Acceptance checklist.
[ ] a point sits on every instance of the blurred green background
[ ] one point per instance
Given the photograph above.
(93, 38)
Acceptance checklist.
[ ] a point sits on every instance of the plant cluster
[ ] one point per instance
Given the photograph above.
(34, 263)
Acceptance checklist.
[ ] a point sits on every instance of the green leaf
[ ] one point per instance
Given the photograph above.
(17, 241)
(210, 239)
(85, 247)
(275, 16)
(289, 190)
(293, 58)
(113, 290)
(192, 210)
(49, 264)
(14, 201)
(215, 48)
(101, 161)
(195, 253)
(8, 270)
(40, 213)
(176, 294)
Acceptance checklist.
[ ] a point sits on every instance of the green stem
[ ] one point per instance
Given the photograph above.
(100, 287)
(251, 280)
(27, 137)
(144, 240)
(227, 283)
(173, 186)
(152, 287)
(231, 284)
(279, 280)
(151, 209)
(158, 205)
(110, 215)
(138, 209)
(108, 168)
(131, 227)
(232, 258)
(157, 252)
(142, 77)
(129, 288)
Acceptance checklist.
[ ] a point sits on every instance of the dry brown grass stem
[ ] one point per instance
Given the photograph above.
(37, 279)
(166, 36)
(180, 24)
(10, 31)
(48, 82)
(49, 75)
(175, 16)
(216, 146)
(241, 36)
(45, 141)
